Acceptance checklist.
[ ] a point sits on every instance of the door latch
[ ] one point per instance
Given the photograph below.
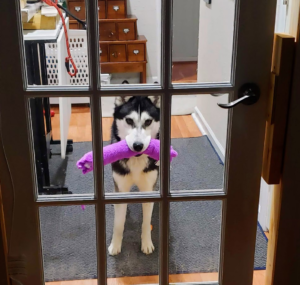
(249, 94)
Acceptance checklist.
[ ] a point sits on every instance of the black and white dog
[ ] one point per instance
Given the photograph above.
(136, 119)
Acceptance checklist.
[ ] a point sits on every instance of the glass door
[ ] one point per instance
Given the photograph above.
(157, 211)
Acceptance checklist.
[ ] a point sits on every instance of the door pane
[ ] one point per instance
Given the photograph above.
(130, 42)
(199, 135)
(202, 40)
(131, 130)
(194, 241)
(138, 259)
(45, 44)
(62, 134)
(68, 237)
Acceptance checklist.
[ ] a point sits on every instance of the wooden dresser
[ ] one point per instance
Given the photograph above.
(121, 48)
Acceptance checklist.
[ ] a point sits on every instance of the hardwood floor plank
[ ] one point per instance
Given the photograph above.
(185, 133)
(175, 131)
(192, 127)
(258, 279)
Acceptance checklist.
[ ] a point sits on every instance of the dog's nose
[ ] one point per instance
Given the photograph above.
(138, 146)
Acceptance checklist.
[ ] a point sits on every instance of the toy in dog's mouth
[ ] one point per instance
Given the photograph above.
(144, 144)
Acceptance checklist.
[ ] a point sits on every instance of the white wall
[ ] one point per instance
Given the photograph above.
(148, 14)
(185, 30)
(215, 40)
(214, 120)
(214, 65)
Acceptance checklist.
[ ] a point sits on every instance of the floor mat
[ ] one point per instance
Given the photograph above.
(69, 235)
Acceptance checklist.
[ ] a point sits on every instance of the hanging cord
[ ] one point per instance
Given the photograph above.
(69, 57)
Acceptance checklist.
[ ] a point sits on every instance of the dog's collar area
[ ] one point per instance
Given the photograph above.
(138, 155)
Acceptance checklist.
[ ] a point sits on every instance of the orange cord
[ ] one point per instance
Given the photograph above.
(69, 57)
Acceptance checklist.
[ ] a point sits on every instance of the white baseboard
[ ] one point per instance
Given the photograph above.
(205, 129)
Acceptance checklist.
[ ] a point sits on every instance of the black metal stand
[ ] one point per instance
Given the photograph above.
(41, 120)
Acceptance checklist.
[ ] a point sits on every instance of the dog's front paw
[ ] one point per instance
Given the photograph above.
(147, 246)
(115, 247)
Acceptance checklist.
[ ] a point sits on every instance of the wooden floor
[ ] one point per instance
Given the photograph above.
(181, 127)
(80, 125)
(184, 72)
(258, 279)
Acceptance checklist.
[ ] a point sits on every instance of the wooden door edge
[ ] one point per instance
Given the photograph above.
(4, 278)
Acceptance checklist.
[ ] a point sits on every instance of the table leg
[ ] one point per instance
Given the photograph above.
(143, 74)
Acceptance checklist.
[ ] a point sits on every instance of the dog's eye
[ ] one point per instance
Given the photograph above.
(148, 123)
(129, 121)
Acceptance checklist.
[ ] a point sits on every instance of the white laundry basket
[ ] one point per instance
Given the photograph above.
(55, 57)
(79, 52)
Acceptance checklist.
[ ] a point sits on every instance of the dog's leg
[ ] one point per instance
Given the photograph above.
(122, 184)
(146, 184)
(119, 221)
(147, 245)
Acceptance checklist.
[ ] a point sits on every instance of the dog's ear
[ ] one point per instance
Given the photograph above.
(155, 100)
(121, 100)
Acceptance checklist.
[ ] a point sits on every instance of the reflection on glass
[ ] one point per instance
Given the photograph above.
(198, 134)
(131, 126)
(68, 237)
(62, 134)
(132, 236)
(202, 41)
(194, 242)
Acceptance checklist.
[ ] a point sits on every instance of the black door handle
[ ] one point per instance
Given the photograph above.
(249, 94)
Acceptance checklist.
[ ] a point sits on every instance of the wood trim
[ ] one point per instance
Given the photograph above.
(273, 234)
(4, 278)
(293, 19)
(282, 69)
(284, 248)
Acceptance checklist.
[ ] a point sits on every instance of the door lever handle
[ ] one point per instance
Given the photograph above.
(248, 94)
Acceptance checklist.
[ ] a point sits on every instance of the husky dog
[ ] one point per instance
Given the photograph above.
(136, 119)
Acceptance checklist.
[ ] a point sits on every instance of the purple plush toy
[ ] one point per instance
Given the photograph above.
(120, 150)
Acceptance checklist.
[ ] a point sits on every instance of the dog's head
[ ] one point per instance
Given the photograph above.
(137, 120)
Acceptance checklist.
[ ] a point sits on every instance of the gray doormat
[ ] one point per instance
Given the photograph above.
(69, 235)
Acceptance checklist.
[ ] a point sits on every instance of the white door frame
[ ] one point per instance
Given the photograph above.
(251, 63)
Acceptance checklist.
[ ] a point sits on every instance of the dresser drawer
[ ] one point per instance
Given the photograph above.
(136, 52)
(74, 25)
(103, 53)
(101, 9)
(116, 9)
(117, 53)
(77, 9)
(126, 31)
(107, 31)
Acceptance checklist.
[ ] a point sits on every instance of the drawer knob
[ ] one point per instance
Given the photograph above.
(77, 8)
(114, 54)
(116, 8)
(126, 31)
(136, 51)
(98, 8)
(100, 51)
(110, 34)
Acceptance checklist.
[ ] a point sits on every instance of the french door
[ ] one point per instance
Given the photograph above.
(253, 27)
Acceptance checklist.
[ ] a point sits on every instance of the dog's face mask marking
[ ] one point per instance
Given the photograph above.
(137, 120)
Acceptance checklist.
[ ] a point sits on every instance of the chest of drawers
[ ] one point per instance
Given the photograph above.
(121, 48)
